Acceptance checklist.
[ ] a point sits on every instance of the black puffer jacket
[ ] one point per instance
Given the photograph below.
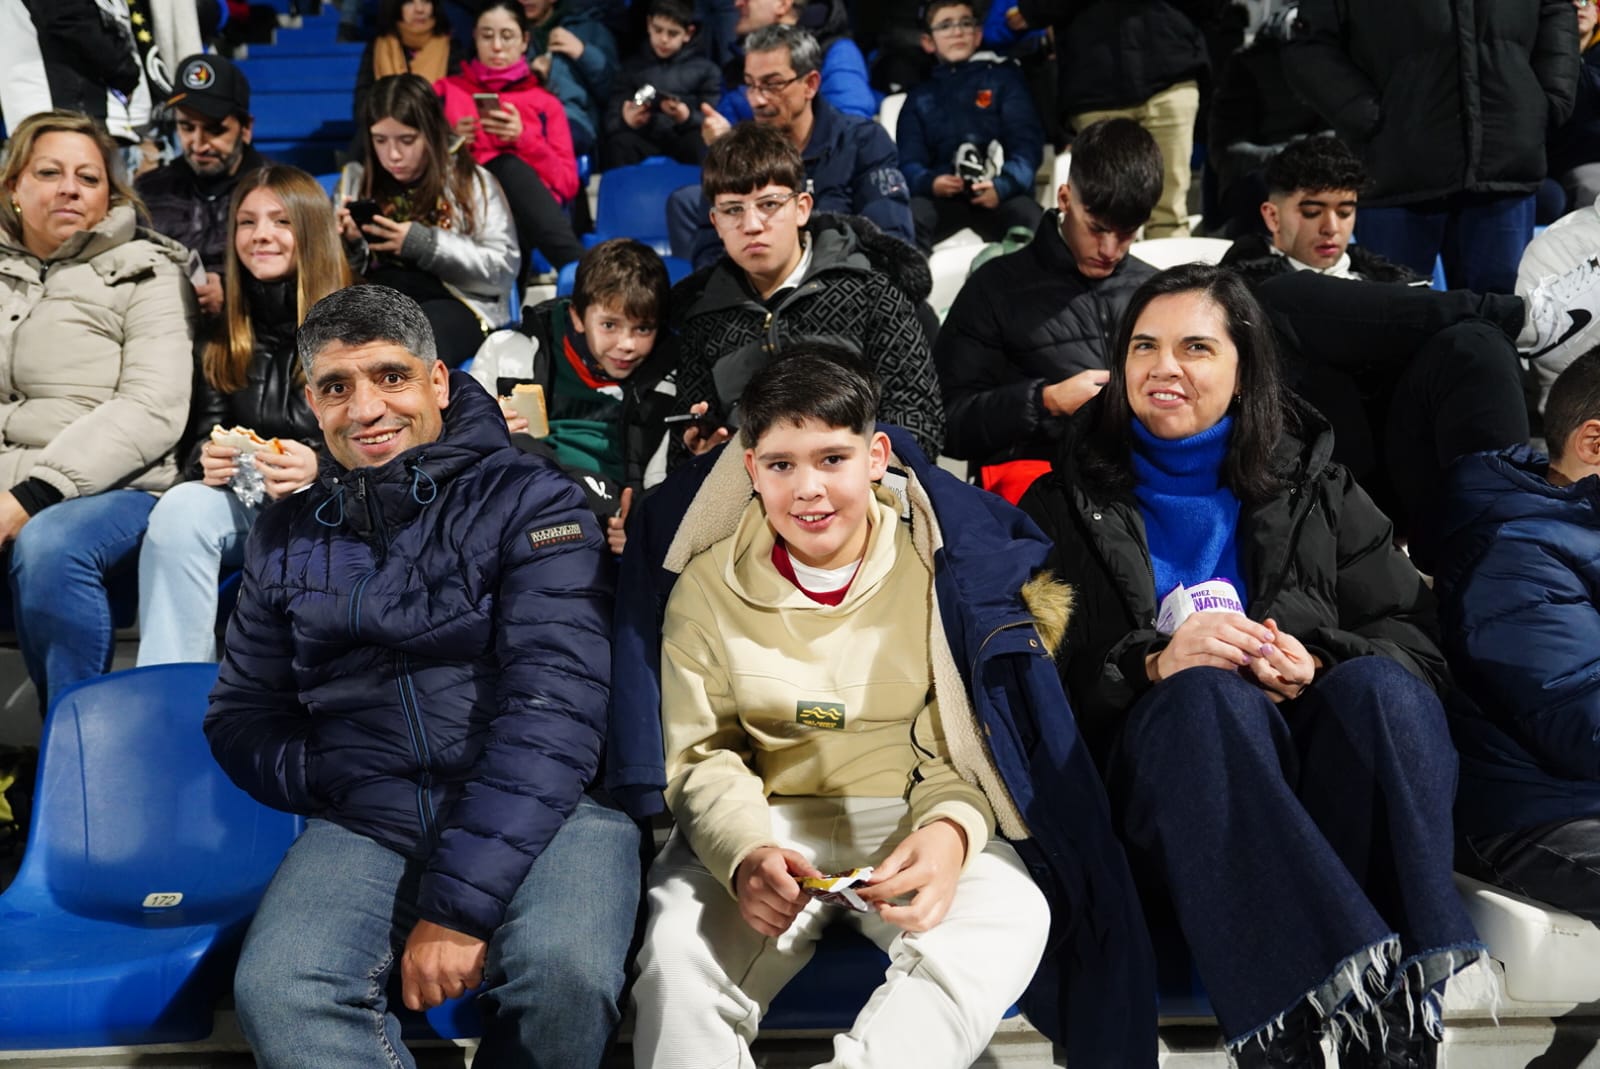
(1318, 558)
(273, 400)
(1439, 96)
(1252, 257)
(1118, 53)
(1020, 323)
(191, 210)
(686, 75)
(861, 292)
(84, 55)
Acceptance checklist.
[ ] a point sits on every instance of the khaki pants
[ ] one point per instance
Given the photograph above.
(1169, 116)
(706, 977)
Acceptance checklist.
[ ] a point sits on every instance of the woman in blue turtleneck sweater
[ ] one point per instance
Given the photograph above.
(284, 257)
(1282, 775)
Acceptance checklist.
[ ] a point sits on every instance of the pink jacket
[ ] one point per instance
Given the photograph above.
(545, 143)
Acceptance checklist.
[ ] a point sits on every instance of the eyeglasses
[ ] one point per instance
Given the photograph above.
(732, 213)
(955, 26)
(772, 87)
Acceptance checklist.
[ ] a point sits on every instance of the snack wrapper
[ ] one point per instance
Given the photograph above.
(1213, 595)
(837, 889)
(247, 483)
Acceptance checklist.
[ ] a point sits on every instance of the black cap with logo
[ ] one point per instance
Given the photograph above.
(211, 85)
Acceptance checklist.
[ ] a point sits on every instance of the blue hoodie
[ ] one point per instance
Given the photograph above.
(1519, 586)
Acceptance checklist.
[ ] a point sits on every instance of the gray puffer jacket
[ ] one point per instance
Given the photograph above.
(96, 359)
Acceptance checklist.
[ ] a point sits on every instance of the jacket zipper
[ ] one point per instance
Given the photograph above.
(419, 746)
(361, 584)
(1302, 510)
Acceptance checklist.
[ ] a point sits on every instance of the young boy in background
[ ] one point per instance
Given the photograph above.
(604, 398)
(655, 106)
(969, 138)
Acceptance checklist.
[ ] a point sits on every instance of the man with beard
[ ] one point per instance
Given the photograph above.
(188, 198)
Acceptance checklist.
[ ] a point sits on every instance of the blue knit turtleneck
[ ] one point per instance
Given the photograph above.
(1190, 518)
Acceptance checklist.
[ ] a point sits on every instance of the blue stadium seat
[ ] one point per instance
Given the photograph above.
(633, 201)
(274, 73)
(677, 268)
(143, 867)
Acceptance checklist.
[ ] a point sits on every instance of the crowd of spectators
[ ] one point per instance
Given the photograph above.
(1248, 474)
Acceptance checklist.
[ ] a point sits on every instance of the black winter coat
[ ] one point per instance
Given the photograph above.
(84, 55)
(1119, 53)
(1318, 558)
(1022, 322)
(861, 292)
(191, 210)
(421, 654)
(273, 400)
(1439, 96)
(1252, 257)
(686, 75)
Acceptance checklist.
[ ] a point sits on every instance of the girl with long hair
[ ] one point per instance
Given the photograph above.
(442, 233)
(285, 256)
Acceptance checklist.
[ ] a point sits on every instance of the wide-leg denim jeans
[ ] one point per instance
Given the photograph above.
(1306, 846)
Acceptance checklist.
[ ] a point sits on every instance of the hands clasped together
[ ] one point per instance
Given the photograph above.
(1274, 659)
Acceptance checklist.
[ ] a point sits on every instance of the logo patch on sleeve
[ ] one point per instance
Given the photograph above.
(826, 715)
(545, 537)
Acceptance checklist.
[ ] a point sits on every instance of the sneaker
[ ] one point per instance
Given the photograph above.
(1397, 1042)
(1296, 1045)
(1563, 311)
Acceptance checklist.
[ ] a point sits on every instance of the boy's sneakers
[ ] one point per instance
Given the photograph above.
(1563, 311)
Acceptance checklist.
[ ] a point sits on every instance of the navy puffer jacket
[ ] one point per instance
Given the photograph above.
(420, 654)
(1519, 597)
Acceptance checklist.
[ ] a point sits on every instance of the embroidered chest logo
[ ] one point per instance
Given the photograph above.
(826, 715)
(545, 537)
(985, 98)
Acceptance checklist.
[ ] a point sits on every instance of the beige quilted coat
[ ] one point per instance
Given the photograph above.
(96, 359)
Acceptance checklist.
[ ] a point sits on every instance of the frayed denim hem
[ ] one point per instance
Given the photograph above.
(1345, 998)
(1423, 977)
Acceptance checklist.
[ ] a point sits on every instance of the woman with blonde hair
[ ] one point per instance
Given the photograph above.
(285, 256)
(442, 232)
(96, 336)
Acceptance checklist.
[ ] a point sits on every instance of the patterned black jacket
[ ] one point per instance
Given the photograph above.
(861, 292)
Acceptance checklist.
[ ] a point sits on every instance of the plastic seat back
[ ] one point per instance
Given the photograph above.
(633, 200)
(133, 816)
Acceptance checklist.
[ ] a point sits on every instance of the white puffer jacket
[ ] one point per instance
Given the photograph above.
(96, 359)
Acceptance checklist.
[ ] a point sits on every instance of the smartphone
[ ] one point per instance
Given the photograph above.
(362, 211)
(706, 422)
(486, 102)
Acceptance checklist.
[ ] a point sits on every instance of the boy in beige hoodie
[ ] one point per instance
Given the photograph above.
(804, 737)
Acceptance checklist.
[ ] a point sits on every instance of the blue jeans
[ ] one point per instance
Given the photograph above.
(195, 531)
(311, 985)
(60, 564)
(1299, 843)
(1480, 237)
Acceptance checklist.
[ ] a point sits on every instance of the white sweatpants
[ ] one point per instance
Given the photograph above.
(706, 977)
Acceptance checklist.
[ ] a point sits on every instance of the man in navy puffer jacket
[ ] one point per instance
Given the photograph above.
(1517, 581)
(419, 664)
